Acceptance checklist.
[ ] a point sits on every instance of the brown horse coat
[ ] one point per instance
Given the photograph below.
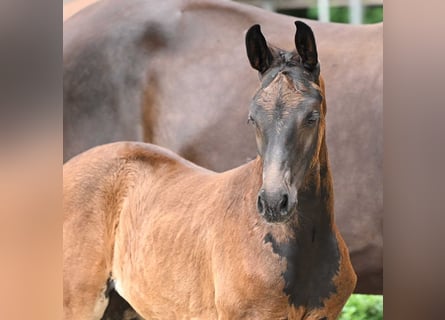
(174, 73)
(180, 241)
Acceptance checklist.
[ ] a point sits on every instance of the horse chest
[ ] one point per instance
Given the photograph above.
(275, 277)
(312, 262)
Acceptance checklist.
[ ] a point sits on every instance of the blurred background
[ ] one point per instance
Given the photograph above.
(344, 11)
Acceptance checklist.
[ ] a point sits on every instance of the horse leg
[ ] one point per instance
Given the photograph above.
(85, 299)
(86, 269)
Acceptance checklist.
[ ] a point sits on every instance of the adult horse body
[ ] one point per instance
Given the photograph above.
(180, 241)
(173, 73)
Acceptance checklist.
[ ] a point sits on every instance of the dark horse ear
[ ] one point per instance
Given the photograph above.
(305, 43)
(259, 54)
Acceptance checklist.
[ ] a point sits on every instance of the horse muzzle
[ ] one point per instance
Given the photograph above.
(276, 206)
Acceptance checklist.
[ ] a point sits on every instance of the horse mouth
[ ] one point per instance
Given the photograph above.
(277, 217)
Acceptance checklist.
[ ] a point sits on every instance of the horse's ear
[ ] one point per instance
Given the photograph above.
(259, 54)
(306, 47)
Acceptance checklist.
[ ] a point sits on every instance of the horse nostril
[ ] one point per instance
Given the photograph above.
(283, 204)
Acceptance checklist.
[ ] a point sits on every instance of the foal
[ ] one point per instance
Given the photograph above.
(179, 242)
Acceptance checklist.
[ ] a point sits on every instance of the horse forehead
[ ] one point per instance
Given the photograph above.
(284, 91)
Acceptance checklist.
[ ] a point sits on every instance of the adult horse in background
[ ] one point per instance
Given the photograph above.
(174, 73)
(182, 242)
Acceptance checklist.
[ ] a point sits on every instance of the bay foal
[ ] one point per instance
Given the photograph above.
(178, 241)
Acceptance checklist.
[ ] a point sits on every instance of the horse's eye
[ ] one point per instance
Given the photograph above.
(312, 118)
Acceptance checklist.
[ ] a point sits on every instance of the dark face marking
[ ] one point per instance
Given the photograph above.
(286, 113)
(287, 117)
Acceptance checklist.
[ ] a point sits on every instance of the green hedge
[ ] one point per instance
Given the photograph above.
(371, 14)
(363, 307)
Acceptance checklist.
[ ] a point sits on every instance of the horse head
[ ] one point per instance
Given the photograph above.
(288, 113)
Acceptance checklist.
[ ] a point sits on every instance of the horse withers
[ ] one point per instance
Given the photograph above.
(179, 241)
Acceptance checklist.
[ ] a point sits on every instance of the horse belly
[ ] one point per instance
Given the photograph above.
(156, 291)
(172, 278)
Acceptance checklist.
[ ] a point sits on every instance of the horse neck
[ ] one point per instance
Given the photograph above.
(249, 176)
(316, 197)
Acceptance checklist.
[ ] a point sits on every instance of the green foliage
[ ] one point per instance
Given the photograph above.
(371, 14)
(363, 307)
(337, 14)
